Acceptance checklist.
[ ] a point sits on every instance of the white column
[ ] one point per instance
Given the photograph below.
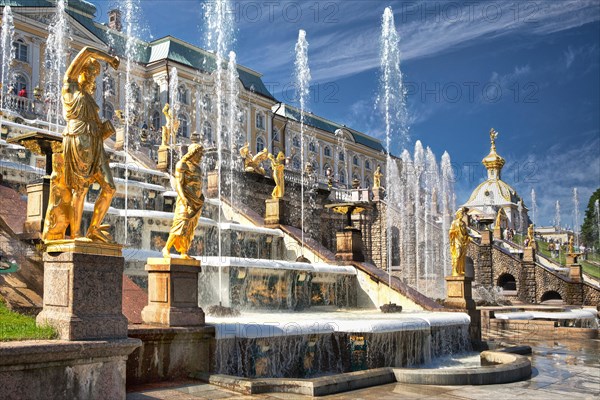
(35, 64)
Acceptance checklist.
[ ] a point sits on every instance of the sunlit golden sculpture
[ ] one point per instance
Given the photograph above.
(188, 184)
(530, 239)
(253, 163)
(278, 166)
(171, 125)
(570, 247)
(493, 136)
(377, 175)
(59, 214)
(85, 159)
(459, 239)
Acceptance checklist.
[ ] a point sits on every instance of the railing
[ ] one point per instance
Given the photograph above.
(19, 104)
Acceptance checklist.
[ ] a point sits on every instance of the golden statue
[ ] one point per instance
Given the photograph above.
(85, 160)
(377, 175)
(59, 214)
(530, 239)
(188, 184)
(278, 165)
(570, 249)
(500, 217)
(459, 239)
(171, 126)
(253, 163)
(493, 136)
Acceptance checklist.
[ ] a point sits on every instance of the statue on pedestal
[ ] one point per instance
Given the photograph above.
(253, 163)
(459, 239)
(188, 184)
(570, 247)
(530, 239)
(59, 214)
(85, 160)
(170, 127)
(278, 165)
(377, 175)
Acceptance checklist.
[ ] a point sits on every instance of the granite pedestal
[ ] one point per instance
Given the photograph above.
(164, 158)
(173, 293)
(459, 293)
(349, 245)
(274, 211)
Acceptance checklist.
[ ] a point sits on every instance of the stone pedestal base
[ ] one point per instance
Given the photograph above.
(486, 237)
(571, 258)
(349, 245)
(378, 194)
(212, 187)
(274, 212)
(498, 233)
(37, 203)
(173, 293)
(529, 254)
(82, 295)
(575, 272)
(459, 294)
(164, 158)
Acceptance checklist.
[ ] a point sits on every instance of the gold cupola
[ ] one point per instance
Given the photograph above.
(493, 162)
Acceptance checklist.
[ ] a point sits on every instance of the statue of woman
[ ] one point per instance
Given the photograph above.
(459, 239)
(85, 159)
(377, 175)
(278, 165)
(188, 207)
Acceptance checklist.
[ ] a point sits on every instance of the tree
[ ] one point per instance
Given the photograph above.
(589, 229)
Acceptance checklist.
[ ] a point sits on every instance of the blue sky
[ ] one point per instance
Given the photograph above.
(530, 69)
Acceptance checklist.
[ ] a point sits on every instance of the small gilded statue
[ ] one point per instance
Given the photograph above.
(570, 247)
(530, 239)
(377, 175)
(278, 166)
(253, 163)
(459, 239)
(188, 184)
(493, 136)
(85, 160)
(59, 214)
(171, 126)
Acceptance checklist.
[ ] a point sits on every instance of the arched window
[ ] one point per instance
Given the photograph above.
(551, 295)
(296, 163)
(207, 132)
(367, 164)
(296, 141)
(136, 94)
(155, 120)
(21, 83)
(108, 110)
(183, 125)
(260, 144)
(312, 147)
(21, 50)
(275, 134)
(207, 103)
(355, 161)
(341, 156)
(260, 120)
(182, 95)
(327, 151)
(108, 86)
(342, 177)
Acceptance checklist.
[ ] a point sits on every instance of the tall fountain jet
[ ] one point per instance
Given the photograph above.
(576, 215)
(302, 87)
(392, 102)
(533, 205)
(219, 39)
(56, 62)
(557, 215)
(8, 53)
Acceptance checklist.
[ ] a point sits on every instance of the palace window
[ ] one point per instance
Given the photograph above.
(207, 132)
(136, 93)
(20, 83)
(183, 125)
(327, 151)
(275, 134)
(367, 164)
(296, 163)
(312, 147)
(341, 156)
(342, 176)
(296, 141)
(108, 86)
(355, 161)
(260, 120)
(182, 95)
(108, 110)
(20, 50)
(260, 144)
(155, 92)
(207, 103)
(155, 120)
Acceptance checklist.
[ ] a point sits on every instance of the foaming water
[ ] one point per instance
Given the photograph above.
(8, 32)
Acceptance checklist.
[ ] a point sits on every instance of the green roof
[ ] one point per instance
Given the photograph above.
(330, 126)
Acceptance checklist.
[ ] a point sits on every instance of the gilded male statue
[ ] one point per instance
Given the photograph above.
(188, 207)
(85, 160)
(377, 175)
(459, 239)
(278, 166)
(59, 214)
(171, 126)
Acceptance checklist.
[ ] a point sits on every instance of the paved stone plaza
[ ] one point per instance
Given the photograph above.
(569, 369)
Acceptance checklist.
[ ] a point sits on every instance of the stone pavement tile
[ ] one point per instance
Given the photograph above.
(562, 395)
(195, 388)
(485, 392)
(214, 394)
(170, 394)
(420, 391)
(288, 396)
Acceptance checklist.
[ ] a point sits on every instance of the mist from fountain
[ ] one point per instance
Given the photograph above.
(8, 52)
(533, 205)
(302, 73)
(233, 126)
(448, 207)
(55, 58)
(174, 107)
(597, 212)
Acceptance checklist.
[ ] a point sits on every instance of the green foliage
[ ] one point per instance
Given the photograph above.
(589, 229)
(14, 326)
